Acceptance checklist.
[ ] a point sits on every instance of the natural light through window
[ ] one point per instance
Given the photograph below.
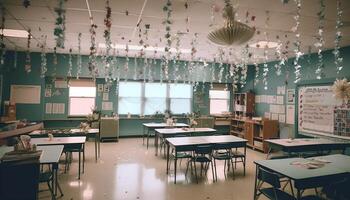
(81, 100)
(219, 101)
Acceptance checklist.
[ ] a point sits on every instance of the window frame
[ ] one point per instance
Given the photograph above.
(76, 84)
(228, 100)
(167, 97)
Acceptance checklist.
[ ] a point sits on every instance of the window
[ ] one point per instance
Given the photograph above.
(219, 101)
(130, 94)
(180, 98)
(82, 95)
(147, 98)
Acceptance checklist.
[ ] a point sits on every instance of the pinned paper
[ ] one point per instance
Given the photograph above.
(267, 115)
(274, 116)
(280, 100)
(48, 108)
(105, 96)
(107, 105)
(282, 118)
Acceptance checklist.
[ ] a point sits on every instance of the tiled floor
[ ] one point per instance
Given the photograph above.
(127, 170)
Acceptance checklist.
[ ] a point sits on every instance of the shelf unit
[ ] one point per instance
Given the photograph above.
(243, 104)
(255, 131)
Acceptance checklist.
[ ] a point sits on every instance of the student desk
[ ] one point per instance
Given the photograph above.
(148, 127)
(189, 144)
(68, 142)
(304, 178)
(50, 155)
(95, 133)
(172, 132)
(305, 144)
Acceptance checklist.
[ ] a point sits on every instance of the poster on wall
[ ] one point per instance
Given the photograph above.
(290, 96)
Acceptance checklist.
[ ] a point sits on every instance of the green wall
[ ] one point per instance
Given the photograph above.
(36, 112)
(308, 63)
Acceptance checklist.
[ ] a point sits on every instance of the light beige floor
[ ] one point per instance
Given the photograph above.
(127, 170)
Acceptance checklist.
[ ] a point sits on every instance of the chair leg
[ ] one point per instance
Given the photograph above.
(233, 169)
(59, 188)
(212, 170)
(195, 172)
(51, 190)
(216, 175)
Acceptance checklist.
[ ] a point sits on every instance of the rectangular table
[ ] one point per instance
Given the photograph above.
(172, 132)
(67, 142)
(305, 144)
(95, 133)
(189, 144)
(50, 155)
(148, 127)
(304, 178)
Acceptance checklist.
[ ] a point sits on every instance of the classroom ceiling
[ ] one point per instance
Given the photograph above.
(40, 18)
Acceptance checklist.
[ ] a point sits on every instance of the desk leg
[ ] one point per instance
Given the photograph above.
(79, 164)
(147, 137)
(298, 194)
(99, 145)
(55, 168)
(143, 135)
(167, 158)
(255, 182)
(175, 164)
(83, 158)
(268, 153)
(156, 138)
(245, 159)
(96, 148)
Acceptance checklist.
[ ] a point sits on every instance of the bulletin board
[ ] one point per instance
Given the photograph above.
(25, 94)
(315, 108)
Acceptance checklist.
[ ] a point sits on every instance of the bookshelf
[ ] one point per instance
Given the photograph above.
(243, 104)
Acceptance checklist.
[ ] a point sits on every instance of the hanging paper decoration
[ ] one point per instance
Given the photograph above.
(257, 73)
(320, 41)
(167, 22)
(297, 42)
(135, 67)
(28, 65)
(115, 64)
(187, 20)
(244, 66)
(107, 36)
(60, 28)
(338, 60)
(93, 50)
(278, 53)
(79, 60)
(266, 58)
(43, 59)
(54, 59)
(126, 65)
(2, 43)
(70, 64)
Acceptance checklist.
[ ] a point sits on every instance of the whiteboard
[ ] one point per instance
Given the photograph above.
(25, 94)
(316, 106)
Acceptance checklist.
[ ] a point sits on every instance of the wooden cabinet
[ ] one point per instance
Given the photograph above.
(243, 104)
(255, 131)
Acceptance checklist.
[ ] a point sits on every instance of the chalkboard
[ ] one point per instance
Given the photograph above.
(315, 110)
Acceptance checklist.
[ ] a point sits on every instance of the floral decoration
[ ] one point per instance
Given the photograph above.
(341, 90)
(70, 63)
(338, 36)
(320, 41)
(79, 60)
(266, 58)
(43, 59)
(28, 65)
(107, 36)
(297, 42)
(93, 50)
(60, 28)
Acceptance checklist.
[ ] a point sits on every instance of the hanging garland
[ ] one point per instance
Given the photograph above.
(93, 50)
(126, 65)
(43, 59)
(338, 60)
(79, 61)
(278, 53)
(257, 73)
(60, 28)
(28, 65)
(187, 20)
(107, 36)
(2, 43)
(244, 66)
(70, 64)
(266, 58)
(320, 41)
(135, 67)
(297, 42)
(115, 64)
(167, 22)
(55, 64)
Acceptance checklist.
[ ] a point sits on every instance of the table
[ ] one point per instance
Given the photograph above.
(189, 144)
(171, 132)
(305, 144)
(305, 178)
(148, 127)
(71, 133)
(68, 142)
(50, 155)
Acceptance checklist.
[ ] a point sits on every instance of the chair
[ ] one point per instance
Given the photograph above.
(221, 152)
(48, 177)
(239, 155)
(19, 180)
(202, 154)
(275, 192)
(179, 155)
